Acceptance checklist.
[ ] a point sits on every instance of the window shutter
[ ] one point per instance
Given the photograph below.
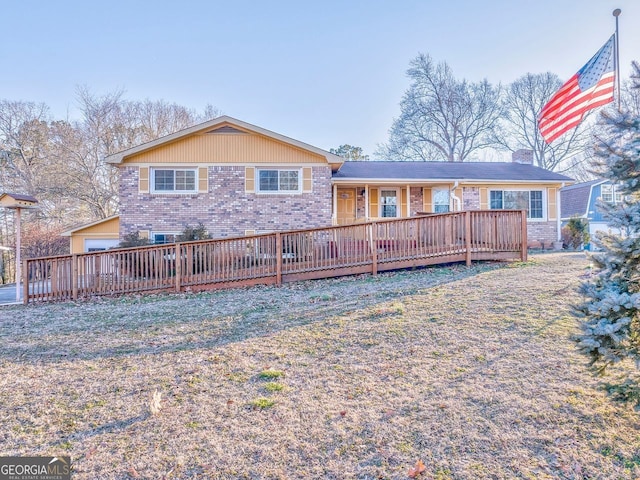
(374, 204)
(427, 202)
(484, 201)
(249, 179)
(307, 183)
(552, 204)
(203, 179)
(143, 180)
(404, 207)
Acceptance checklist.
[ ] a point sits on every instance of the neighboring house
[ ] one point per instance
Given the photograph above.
(239, 179)
(581, 200)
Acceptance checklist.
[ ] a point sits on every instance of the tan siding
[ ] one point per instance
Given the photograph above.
(249, 179)
(484, 198)
(111, 226)
(226, 148)
(109, 229)
(203, 179)
(374, 203)
(427, 202)
(143, 180)
(307, 181)
(552, 208)
(77, 244)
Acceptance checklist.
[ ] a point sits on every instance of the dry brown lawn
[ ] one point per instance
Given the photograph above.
(472, 371)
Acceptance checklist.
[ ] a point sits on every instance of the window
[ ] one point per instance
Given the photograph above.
(610, 194)
(174, 180)
(279, 181)
(531, 201)
(388, 203)
(441, 200)
(162, 238)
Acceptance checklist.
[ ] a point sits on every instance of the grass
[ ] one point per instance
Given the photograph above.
(471, 371)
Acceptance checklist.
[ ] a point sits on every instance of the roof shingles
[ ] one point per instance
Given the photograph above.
(429, 171)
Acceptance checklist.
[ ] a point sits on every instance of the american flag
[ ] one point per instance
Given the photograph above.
(591, 87)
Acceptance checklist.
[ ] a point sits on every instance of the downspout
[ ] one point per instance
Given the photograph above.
(456, 200)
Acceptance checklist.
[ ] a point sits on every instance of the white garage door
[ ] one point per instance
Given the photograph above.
(97, 244)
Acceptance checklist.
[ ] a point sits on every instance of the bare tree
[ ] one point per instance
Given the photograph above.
(23, 145)
(350, 153)
(522, 102)
(442, 118)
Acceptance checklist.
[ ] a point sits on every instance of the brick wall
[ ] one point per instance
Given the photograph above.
(225, 210)
(471, 198)
(542, 233)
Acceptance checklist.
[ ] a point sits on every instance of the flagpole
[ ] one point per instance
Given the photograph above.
(616, 13)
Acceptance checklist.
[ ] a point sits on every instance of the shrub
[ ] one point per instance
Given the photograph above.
(133, 240)
(575, 233)
(199, 232)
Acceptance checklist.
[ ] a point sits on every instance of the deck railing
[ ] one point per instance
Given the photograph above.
(279, 257)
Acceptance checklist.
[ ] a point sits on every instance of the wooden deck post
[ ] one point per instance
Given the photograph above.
(74, 276)
(178, 256)
(467, 237)
(25, 282)
(373, 242)
(278, 258)
(523, 252)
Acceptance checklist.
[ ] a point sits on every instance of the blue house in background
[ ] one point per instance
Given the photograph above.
(581, 200)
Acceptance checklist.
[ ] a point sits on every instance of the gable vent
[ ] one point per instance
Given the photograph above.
(226, 129)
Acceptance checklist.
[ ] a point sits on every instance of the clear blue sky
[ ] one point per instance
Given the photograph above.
(325, 73)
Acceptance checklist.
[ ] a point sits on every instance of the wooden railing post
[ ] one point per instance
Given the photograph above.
(178, 257)
(74, 276)
(523, 252)
(25, 282)
(373, 242)
(467, 237)
(278, 258)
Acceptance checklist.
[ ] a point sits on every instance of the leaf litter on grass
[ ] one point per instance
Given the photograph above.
(472, 371)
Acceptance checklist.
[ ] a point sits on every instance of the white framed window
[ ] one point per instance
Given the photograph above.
(441, 200)
(610, 194)
(174, 180)
(529, 200)
(389, 203)
(160, 238)
(279, 181)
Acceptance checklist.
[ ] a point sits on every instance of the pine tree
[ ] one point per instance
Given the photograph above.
(611, 313)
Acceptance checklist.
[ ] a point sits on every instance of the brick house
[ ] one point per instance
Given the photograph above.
(240, 179)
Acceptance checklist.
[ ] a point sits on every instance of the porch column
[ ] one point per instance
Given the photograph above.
(408, 201)
(334, 213)
(366, 203)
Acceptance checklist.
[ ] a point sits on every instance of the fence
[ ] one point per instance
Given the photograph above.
(280, 257)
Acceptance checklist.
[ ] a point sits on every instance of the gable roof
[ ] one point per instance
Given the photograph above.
(574, 199)
(88, 225)
(440, 171)
(223, 122)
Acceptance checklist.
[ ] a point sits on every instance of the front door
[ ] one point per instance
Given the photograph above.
(346, 206)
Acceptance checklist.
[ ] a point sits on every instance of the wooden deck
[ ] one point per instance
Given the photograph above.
(281, 257)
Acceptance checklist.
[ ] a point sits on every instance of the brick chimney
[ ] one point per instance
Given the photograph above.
(522, 156)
